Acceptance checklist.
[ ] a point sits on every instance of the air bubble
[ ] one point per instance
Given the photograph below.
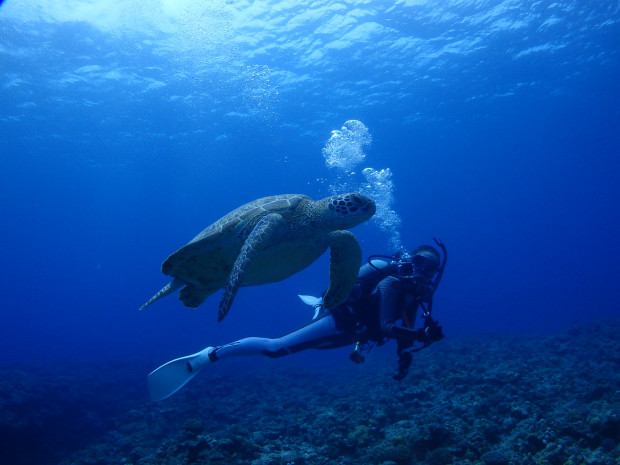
(344, 151)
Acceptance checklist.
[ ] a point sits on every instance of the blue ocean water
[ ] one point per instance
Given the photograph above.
(128, 127)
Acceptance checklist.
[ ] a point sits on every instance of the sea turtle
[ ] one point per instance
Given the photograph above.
(268, 240)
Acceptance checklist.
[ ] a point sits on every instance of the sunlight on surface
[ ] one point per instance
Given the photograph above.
(116, 15)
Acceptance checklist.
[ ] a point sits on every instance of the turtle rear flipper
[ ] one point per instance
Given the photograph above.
(193, 296)
(345, 260)
(261, 234)
(198, 245)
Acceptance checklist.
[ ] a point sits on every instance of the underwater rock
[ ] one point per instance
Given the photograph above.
(439, 457)
(496, 457)
(490, 400)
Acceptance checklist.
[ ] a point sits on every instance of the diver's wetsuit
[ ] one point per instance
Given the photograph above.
(377, 301)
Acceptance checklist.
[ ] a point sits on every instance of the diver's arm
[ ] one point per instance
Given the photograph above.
(388, 296)
(431, 332)
(396, 331)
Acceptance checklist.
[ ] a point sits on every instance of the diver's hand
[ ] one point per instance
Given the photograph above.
(434, 332)
(420, 335)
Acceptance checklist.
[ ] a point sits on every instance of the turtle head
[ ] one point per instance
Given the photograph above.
(348, 210)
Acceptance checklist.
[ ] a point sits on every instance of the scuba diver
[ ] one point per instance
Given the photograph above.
(382, 305)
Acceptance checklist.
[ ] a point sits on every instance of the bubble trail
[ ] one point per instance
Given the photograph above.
(344, 151)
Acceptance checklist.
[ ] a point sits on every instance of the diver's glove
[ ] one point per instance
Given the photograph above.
(404, 362)
(433, 331)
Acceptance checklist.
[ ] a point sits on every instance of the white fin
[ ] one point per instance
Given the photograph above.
(315, 302)
(311, 300)
(379, 263)
(172, 376)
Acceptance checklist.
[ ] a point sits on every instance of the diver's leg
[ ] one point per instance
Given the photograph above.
(319, 333)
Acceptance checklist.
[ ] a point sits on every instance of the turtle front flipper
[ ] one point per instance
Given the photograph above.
(261, 233)
(345, 261)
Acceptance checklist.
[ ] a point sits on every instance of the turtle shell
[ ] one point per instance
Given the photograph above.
(207, 260)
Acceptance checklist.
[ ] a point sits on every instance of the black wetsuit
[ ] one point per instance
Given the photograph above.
(380, 299)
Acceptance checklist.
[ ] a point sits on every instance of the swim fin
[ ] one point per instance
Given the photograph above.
(315, 302)
(172, 376)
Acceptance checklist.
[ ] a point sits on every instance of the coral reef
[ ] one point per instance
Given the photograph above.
(493, 400)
